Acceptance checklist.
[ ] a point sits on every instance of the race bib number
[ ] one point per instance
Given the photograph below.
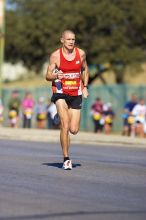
(70, 84)
(71, 81)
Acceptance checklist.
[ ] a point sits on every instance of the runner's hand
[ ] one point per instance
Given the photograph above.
(60, 74)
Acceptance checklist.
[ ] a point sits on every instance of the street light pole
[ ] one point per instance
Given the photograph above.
(2, 40)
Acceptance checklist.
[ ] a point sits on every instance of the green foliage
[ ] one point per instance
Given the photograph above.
(108, 30)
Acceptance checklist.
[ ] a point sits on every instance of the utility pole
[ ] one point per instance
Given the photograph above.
(2, 40)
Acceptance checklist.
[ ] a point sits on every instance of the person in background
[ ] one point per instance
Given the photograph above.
(50, 109)
(145, 128)
(96, 113)
(14, 104)
(27, 109)
(108, 115)
(52, 116)
(41, 113)
(128, 119)
(1, 112)
(139, 112)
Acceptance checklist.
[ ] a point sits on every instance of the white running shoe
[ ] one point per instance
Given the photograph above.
(67, 165)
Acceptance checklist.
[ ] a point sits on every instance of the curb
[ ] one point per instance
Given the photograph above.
(81, 138)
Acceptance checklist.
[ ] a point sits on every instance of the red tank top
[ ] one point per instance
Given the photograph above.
(71, 83)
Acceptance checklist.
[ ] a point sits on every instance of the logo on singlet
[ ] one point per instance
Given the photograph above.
(77, 62)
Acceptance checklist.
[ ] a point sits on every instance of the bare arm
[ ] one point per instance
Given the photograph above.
(85, 75)
(51, 75)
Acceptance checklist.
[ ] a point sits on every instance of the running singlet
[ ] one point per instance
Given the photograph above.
(71, 84)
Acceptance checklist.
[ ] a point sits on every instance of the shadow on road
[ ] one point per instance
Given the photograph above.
(59, 165)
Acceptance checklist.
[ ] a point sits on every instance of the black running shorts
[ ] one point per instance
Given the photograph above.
(74, 102)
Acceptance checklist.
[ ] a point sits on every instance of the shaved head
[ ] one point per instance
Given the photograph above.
(67, 31)
(68, 39)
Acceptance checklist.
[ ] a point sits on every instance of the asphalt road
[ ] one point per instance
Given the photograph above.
(106, 183)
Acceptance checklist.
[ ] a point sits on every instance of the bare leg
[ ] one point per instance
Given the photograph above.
(74, 115)
(63, 112)
(70, 121)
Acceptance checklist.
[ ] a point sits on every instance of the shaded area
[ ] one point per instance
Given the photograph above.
(59, 165)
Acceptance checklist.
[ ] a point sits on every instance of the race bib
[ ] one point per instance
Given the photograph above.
(71, 81)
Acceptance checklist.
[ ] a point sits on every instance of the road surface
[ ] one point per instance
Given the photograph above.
(106, 183)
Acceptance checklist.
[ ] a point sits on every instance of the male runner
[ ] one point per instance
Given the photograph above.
(68, 72)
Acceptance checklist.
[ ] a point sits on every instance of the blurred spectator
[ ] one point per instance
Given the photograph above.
(52, 116)
(96, 113)
(128, 119)
(41, 113)
(1, 112)
(108, 115)
(14, 107)
(145, 128)
(139, 112)
(27, 109)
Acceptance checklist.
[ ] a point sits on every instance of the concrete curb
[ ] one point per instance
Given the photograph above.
(82, 137)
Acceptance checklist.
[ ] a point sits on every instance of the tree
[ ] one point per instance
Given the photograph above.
(110, 31)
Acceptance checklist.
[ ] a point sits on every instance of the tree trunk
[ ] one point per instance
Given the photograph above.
(119, 77)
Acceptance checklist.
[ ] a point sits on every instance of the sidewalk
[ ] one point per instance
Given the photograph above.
(81, 137)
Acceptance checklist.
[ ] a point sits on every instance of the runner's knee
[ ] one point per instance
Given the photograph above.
(74, 130)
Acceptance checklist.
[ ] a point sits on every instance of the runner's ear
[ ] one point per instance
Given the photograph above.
(61, 39)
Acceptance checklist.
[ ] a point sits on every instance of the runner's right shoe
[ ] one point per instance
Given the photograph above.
(67, 165)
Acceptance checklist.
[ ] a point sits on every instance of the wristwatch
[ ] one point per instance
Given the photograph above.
(86, 86)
